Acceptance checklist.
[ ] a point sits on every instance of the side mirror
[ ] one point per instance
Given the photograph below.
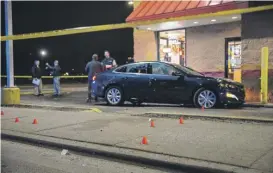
(176, 74)
(181, 76)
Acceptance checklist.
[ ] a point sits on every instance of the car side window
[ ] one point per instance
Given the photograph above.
(133, 68)
(122, 69)
(137, 68)
(163, 69)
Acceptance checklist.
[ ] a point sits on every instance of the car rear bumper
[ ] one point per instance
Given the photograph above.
(97, 89)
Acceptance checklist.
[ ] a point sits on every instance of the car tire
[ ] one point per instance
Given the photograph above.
(203, 92)
(114, 96)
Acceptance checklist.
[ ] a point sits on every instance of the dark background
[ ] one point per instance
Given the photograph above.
(72, 51)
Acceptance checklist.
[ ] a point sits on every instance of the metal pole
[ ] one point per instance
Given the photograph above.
(264, 75)
(9, 44)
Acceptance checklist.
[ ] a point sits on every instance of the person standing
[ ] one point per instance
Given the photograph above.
(130, 60)
(56, 73)
(108, 62)
(37, 78)
(92, 68)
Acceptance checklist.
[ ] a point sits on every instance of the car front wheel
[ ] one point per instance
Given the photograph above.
(205, 98)
(114, 96)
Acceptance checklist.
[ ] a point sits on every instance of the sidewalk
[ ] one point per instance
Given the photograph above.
(76, 101)
(48, 89)
(221, 145)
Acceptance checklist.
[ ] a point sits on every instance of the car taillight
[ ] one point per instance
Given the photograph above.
(94, 78)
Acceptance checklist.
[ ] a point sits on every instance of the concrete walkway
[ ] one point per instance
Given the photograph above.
(77, 100)
(48, 89)
(231, 146)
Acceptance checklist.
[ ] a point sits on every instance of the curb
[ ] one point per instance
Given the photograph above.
(57, 108)
(113, 155)
(203, 117)
(60, 108)
(257, 106)
(150, 115)
(45, 92)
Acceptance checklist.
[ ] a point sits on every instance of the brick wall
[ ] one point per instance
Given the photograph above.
(257, 32)
(144, 45)
(205, 46)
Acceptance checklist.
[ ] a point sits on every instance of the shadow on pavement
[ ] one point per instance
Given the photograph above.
(79, 97)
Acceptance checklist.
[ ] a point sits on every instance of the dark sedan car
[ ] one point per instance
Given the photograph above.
(159, 82)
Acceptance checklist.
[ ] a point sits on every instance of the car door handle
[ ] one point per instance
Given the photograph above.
(124, 78)
(152, 79)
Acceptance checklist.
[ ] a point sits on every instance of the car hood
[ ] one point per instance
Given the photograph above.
(222, 80)
(229, 81)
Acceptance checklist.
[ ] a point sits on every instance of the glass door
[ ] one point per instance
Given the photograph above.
(233, 59)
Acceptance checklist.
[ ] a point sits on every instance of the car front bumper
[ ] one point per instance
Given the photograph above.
(232, 97)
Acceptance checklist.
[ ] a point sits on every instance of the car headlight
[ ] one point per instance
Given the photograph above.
(224, 85)
(229, 95)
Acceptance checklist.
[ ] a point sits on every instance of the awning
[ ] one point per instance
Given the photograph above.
(152, 10)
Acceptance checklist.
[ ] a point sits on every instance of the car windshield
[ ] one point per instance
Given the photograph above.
(187, 70)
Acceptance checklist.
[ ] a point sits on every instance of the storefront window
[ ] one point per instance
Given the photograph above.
(172, 46)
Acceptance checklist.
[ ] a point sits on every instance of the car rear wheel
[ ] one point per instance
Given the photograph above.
(114, 96)
(205, 97)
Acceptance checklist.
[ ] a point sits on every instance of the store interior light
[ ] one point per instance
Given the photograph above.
(149, 28)
(130, 2)
(213, 20)
(195, 22)
(167, 50)
(234, 17)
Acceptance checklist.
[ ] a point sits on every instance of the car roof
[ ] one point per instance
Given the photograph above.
(151, 62)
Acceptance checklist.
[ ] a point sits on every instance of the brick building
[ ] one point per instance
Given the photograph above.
(227, 45)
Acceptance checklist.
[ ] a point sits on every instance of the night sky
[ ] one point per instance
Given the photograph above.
(72, 51)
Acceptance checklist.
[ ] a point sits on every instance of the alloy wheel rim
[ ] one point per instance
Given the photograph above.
(114, 96)
(207, 99)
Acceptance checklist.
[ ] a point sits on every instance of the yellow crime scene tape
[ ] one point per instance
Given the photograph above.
(129, 25)
(47, 77)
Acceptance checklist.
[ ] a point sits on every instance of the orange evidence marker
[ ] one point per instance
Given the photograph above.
(181, 120)
(152, 123)
(17, 120)
(35, 121)
(203, 108)
(144, 140)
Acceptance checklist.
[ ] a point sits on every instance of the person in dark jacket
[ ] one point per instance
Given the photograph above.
(108, 62)
(56, 73)
(92, 68)
(130, 60)
(37, 78)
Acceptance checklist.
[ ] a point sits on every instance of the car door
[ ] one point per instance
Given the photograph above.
(168, 88)
(135, 81)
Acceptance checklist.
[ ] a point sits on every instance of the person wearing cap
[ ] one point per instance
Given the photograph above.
(37, 78)
(56, 73)
(108, 62)
(92, 68)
